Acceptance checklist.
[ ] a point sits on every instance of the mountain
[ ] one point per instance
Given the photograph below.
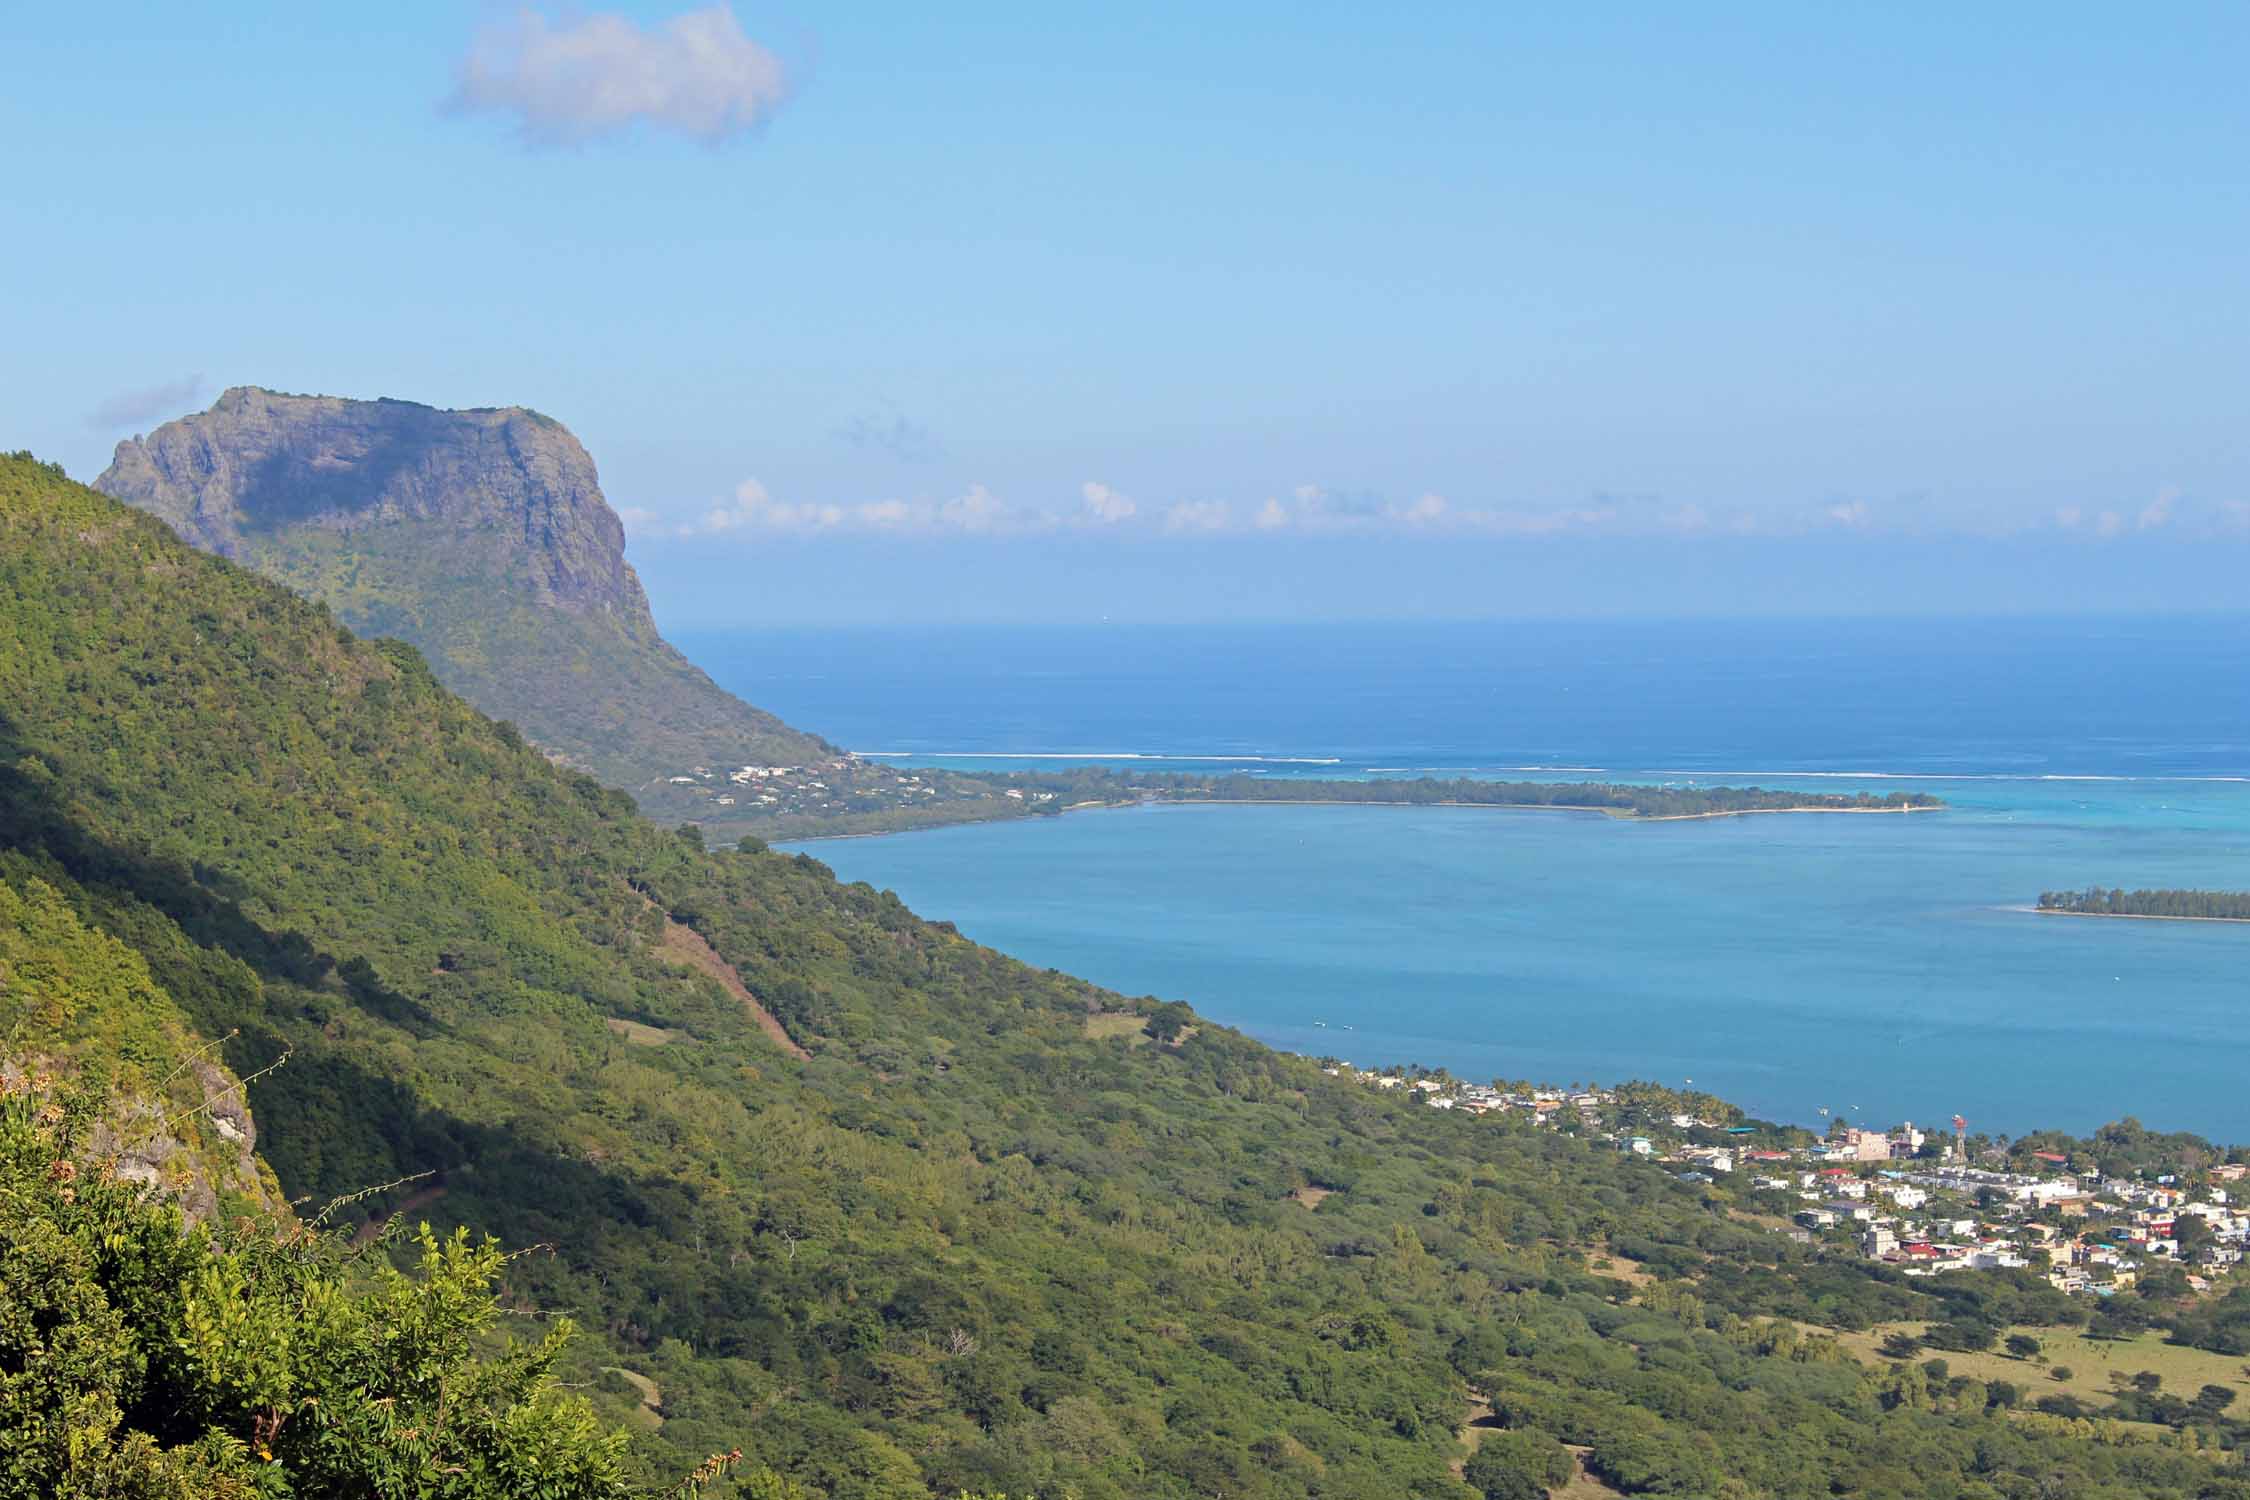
(900, 1216)
(482, 538)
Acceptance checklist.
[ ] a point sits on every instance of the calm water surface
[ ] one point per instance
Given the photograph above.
(1868, 964)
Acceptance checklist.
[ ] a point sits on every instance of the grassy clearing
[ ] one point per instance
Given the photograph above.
(641, 1035)
(650, 1414)
(1109, 1023)
(2091, 1362)
(1618, 1268)
(1312, 1197)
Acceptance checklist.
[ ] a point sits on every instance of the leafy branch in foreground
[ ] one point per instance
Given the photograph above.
(144, 1356)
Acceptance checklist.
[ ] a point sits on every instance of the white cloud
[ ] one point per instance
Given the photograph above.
(146, 404)
(1105, 506)
(753, 509)
(887, 515)
(697, 75)
(975, 511)
(1199, 515)
(1312, 511)
(1426, 511)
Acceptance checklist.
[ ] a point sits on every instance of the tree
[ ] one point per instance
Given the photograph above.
(1901, 1345)
(1521, 1464)
(1169, 1020)
(2023, 1346)
(1961, 1336)
(2212, 1400)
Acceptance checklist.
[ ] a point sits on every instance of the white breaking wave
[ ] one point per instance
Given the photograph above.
(1937, 776)
(1277, 760)
(1488, 770)
(1700, 773)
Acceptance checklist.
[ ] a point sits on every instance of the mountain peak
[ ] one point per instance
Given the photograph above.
(480, 536)
(260, 462)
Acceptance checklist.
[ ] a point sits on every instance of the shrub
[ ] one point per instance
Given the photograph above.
(168, 1359)
(1523, 1464)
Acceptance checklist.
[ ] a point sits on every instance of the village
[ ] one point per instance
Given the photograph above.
(1907, 1198)
(842, 786)
(2084, 1232)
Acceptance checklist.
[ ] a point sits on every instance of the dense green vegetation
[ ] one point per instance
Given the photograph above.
(965, 1244)
(142, 1357)
(2123, 1148)
(2219, 906)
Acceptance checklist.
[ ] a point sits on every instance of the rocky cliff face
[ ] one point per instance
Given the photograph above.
(482, 538)
(259, 463)
(204, 1159)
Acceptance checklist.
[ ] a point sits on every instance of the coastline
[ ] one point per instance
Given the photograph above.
(2127, 916)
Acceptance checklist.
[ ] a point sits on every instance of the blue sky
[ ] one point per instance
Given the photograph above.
(1170, 311)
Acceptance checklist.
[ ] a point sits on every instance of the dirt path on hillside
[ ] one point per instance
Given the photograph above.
(683, 944)
(651, 1394)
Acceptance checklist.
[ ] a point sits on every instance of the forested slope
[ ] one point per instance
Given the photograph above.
(962, 1245)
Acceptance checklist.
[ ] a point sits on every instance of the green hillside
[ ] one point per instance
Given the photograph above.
(894, 1214)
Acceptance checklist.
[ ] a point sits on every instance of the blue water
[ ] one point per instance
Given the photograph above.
(1859, 964)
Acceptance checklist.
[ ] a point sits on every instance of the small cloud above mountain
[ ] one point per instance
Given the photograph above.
(976, 511)
(1105, 506)
(568, 82)
(145, 404)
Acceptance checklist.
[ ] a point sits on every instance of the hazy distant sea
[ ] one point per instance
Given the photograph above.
(1791, 963)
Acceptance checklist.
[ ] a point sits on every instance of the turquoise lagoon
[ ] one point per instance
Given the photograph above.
(1877, 966)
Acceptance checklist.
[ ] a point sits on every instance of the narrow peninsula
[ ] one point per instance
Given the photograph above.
(2164, 906)
(1647, 803)
(1037, 793)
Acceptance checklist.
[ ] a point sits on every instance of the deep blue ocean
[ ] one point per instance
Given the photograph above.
(1872, 966)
